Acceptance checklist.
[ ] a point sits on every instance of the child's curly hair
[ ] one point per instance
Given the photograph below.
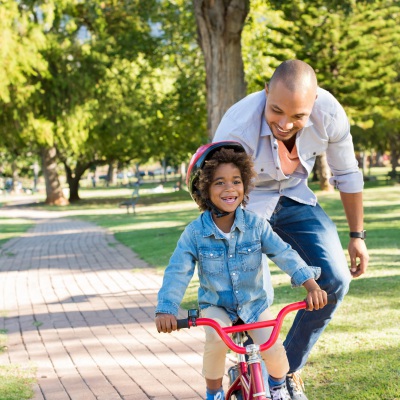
(241, 160)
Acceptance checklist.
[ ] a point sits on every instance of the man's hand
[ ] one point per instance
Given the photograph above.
(166, 323)
(358, 250)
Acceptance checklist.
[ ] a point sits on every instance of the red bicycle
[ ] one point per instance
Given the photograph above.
(245, 378)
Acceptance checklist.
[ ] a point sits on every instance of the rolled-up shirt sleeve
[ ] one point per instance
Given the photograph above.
(346, 175)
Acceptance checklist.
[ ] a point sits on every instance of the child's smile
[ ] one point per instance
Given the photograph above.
(226, 190)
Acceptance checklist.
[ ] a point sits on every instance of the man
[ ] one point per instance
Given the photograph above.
(285, 128)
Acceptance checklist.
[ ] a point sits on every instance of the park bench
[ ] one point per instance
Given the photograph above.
(131, 202)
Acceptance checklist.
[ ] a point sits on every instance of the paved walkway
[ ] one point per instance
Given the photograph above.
(77, 315)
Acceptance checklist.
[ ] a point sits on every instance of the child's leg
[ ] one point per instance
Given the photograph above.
(275, 357)
(214, 352)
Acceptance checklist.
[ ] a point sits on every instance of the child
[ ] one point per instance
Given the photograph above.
(227, 243)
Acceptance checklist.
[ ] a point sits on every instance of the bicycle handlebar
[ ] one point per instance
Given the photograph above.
(276, 323)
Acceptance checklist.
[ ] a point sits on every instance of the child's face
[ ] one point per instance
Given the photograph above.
(226, 189)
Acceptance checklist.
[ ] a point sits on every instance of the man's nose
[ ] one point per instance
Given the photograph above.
(285, 123)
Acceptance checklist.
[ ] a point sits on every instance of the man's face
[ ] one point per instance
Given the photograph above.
(286, 111)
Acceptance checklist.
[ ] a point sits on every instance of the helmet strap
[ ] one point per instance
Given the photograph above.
(216, 211)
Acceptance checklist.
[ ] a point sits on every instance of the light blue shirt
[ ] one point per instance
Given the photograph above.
(230, 270)
(327, 130)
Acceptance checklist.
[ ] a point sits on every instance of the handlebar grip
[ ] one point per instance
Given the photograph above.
(332, 299)
(183, 323)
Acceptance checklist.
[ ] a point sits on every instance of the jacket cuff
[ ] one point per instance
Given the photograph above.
(304, 274)
(167, 308)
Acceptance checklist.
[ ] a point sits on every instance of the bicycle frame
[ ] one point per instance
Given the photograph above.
(250, 380)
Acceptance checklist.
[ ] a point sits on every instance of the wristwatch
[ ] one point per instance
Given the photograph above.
(359, 235)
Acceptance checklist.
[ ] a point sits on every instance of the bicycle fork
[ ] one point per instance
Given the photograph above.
(247, 383)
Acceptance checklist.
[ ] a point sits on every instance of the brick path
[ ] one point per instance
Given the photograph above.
(76, 314)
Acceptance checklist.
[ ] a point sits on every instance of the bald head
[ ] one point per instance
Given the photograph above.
(296, 75)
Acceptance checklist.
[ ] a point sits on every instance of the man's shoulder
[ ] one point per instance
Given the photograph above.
(326, 103)
(250, 105)
(242, 121)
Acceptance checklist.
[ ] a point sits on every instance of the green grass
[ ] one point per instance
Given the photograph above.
(12, 227)
(16, 383)
(357, 357)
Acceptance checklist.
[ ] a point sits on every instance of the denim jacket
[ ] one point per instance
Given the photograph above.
(230, 271)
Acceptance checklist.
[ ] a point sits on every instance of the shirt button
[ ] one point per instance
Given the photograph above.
(277, 167)
(262, 169)
(230, 255)
(248, 249)
(236, 291)
(314, 153)
(233, 274)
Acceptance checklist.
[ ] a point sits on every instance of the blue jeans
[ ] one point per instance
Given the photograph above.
(314, 236)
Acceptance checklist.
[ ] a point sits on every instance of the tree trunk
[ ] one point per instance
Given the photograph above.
(324, 173)
(394, 153)
(110, 174)
(54, 193)
(15, 177)
(73, 179)
(219, 27)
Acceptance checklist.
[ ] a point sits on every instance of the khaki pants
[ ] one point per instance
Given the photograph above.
(215, 349)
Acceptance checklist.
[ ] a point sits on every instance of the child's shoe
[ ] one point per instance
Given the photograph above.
(279, 392)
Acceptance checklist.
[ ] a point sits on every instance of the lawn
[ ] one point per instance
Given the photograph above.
(357, 357)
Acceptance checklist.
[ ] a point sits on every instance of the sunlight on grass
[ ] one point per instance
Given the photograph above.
(13, 227)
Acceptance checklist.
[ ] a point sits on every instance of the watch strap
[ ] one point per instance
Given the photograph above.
(359, 235)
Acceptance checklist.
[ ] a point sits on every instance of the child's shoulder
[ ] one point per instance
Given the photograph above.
(251, 217)
(250, 214)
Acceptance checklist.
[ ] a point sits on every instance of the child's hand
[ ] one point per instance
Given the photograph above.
(166, 323)
(316, 297)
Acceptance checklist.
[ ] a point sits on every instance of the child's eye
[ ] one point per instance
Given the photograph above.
(238, 182)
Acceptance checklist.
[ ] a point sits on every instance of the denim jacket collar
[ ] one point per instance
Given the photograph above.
(209, 227)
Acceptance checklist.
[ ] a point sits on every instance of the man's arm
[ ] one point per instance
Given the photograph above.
(353, 207)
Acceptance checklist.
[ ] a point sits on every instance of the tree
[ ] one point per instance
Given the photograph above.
(220, 24)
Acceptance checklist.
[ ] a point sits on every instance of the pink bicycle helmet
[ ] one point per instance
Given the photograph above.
(202, 154)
